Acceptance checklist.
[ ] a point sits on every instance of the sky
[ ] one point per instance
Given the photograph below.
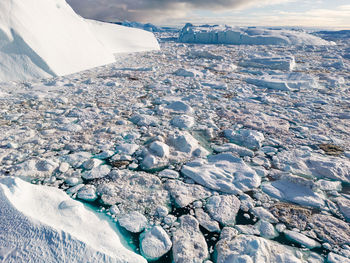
(332, 14)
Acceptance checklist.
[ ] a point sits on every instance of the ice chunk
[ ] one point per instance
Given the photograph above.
(197, 53)
(305, 162)
(234, 148)
(128, 189)
(97, 172)
(87, 193)
(301, 239)
(275, 63)
(180, 107)
(329, 185)
(248, 248)
(185, 143)
(144, 120)
(160, 149)
(188, 242)
(133, 222)
(36, 167)
(92, 163)
(266, 229)
(335, 258)
(127, 148)
(288, 82)
(294, 189)
(154, 243)
(248, 138)
(205, 221)
(77, 159)
(264, 214)
(223, 208)
(190, 73)
(331, 229)
(344, 207)
(184, 194)
(167, 173)
(294, 216)
(223, 172)
(183, 122)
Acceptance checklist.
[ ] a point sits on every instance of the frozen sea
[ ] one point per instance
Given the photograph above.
(198, 152)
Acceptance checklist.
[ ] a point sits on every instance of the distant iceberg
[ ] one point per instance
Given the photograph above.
(44, 38)
(219, 34)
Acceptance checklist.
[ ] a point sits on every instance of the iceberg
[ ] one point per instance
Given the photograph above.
(45, 38)
(219, 34)
(43, 224)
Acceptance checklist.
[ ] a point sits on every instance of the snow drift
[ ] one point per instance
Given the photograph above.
(43, 224)
(246, 36)
(42, 38)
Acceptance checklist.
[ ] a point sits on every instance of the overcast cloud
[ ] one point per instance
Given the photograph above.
(156, 10)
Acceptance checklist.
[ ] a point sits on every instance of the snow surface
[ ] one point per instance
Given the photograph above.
(43, 224)
(47, 38)
(246, 36)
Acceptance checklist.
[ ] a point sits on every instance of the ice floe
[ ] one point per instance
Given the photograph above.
(223, 172)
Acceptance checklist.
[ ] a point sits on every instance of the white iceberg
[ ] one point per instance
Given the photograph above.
(46, 38)
(246, 36)
(43, 224)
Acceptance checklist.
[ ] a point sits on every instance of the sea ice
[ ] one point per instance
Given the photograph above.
(294, 189)
(266, 229)
(248, 138)
(183, 122)
(344, 207)
(223, 172)
(248, 248)
(154, 243)
(223, 208)
(205, 221)
(97, 172)
(306, 162)
(301, 239)
(331, 229)
(188, 242)
(275, 63)
(184, 194)
(133, 222)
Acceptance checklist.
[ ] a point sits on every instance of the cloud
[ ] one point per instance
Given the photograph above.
(338, 17)
(156, 10)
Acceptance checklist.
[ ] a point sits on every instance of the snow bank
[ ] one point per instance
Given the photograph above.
(43, 224)
(121, 39)
(246, 36)
(42, 38)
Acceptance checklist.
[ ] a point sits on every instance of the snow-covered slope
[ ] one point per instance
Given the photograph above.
(121, 39)
(246, 36)
(43, 224)
(41, 38)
